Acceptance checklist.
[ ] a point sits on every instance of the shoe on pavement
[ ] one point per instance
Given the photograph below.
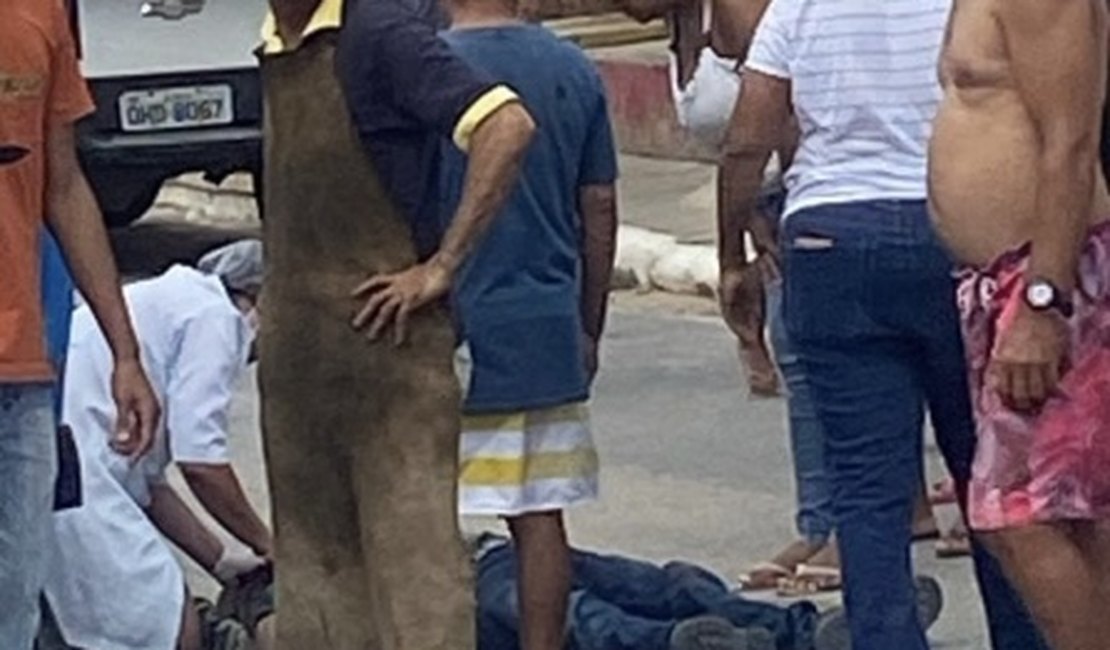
(715, 633)
(833, 632)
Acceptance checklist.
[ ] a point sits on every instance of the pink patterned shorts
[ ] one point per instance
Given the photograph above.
(1053, 465)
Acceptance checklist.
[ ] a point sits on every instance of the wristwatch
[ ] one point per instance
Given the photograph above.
(1042, 295)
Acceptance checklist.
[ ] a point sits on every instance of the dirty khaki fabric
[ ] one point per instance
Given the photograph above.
(361, 438)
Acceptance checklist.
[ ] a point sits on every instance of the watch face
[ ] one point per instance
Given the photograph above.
(1040, 295)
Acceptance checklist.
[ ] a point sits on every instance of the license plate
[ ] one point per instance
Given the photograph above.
(176, 108)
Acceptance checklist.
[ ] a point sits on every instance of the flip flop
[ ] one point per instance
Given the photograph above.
(775, 572)
(953, 545)
(809, 580)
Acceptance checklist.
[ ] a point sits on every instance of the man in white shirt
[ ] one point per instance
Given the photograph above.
(869, 292)
(114, 583)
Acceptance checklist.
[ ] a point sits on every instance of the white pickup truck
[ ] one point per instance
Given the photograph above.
(177, 90)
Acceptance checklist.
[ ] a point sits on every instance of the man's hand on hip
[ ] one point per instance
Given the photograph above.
(391, 298)
(138, 409)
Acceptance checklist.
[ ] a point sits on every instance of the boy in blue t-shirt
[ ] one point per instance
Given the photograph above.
(531, 304)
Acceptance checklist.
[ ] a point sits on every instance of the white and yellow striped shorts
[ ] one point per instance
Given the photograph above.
(527, 461)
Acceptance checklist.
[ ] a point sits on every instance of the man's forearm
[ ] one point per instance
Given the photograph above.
(497, 150)
(739, 180)
(599, 249)
(218, 490)
(79, 227)
(182, 527)
(1065, 188)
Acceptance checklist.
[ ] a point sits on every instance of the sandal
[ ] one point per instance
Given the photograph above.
(956, 543)
(763, 577)
(809, 580)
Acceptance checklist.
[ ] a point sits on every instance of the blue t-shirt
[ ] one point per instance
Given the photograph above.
(518, 297)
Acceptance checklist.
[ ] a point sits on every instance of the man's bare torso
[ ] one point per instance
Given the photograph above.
(983, 172)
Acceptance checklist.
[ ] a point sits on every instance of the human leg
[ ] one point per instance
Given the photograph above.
(814, 517)
(1039, 482)
(864, 379)
(544, 570)
(1054, 574)
(27, 467)
(948, 396)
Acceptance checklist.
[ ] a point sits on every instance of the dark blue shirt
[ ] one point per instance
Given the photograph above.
(518, 297)
(406, 91)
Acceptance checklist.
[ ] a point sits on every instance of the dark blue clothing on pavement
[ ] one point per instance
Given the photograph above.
(622, 604)
(406, 91)
(870, 309)
(518, 297)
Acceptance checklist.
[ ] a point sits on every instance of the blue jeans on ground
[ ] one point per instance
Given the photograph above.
(870, 308)
(814, 520)
(27, 468)
(623, 604)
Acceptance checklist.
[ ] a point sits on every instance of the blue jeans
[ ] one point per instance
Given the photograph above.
(814, 520)
(870, 308)
(623, 604)
(27, 468)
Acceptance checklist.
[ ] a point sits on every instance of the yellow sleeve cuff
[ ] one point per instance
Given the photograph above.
(481, 109)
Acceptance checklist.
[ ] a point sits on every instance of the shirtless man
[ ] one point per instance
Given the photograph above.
(1017, 193)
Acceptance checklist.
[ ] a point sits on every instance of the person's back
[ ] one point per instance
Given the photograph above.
(181, 317)
(864, 88)
(531, 304)
(528, 268)
(563, 92)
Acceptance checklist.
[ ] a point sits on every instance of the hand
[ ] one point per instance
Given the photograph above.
(1028, 357)
(392, 298)
(741, 297)
(138, 409)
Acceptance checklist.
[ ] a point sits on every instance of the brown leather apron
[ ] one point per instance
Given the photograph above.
(361, 438)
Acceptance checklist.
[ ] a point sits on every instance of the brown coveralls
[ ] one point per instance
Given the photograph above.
(361, 438)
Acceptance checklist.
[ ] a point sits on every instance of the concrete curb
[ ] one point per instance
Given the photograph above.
(646, 260)
(649, 260)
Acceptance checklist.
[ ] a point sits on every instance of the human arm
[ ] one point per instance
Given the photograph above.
(219, 491)
(182, 527)
(497, 149)
(177, 521)
(399, 53)
(597, 209)
(1058, 57)
(759, 127)
(211, 354)
(76, 222)
(598, 206)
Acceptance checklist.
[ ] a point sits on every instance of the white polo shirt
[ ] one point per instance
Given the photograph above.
(865, 90)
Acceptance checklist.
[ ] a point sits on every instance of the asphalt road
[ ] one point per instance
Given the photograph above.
(692, 468)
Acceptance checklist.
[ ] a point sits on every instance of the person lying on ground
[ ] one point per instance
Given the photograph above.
(618, 603)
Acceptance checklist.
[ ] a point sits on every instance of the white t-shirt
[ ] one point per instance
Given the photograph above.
(865, 91)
